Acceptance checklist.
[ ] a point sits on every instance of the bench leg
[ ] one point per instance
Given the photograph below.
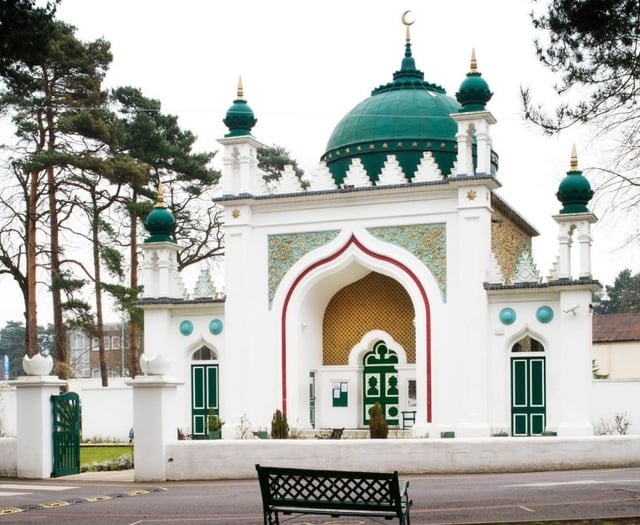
(271, 518)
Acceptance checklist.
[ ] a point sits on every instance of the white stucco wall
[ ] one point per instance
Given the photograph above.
(8, 457)
(8, 421)
(613, 397)
(107, 412)
(236, 460)
(621, 360)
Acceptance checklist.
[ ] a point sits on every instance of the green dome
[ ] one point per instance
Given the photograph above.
(405, 117)
(574, 191)
(160, 223)
(240, 118)
(474, 92)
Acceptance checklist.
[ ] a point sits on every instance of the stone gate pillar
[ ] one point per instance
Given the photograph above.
(34, 424)
(155, 423)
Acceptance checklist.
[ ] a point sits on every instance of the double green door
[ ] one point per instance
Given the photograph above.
(528, 396)
(380, 383)
(204, 397)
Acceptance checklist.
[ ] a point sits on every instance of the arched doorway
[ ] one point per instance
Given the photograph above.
(205, 386)
(528, 388)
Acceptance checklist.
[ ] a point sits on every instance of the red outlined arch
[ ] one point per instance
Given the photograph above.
(385, 258)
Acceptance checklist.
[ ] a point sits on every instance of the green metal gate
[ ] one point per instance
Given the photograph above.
(204, 397)
(66, 422)
(528, 397)
(380, 383)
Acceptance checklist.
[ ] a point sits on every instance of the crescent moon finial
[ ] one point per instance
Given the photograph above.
(407, 23)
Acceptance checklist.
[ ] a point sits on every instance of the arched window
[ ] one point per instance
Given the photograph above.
(204, 354)
(528, 344)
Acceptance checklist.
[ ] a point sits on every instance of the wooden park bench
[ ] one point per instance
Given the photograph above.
(332, 492)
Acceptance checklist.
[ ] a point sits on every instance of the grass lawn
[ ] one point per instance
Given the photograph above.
(91, 454)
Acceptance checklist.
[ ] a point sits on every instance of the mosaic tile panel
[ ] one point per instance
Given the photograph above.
(428, 242)
(286, 249)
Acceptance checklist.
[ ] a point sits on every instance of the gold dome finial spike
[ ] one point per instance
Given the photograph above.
(574, 159)
(407, 23)
(160, 198)
(474, 62)
(240, 89)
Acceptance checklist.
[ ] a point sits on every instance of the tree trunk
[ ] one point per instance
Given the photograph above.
(95, 230)
(31, 315)
(133, 319)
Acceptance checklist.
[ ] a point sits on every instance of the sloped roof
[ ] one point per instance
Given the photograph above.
(616, 327)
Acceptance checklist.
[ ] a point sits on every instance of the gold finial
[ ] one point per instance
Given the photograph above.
(574, 159)
(160, 198)
(474, 62)
(407, 23)
(240, 89)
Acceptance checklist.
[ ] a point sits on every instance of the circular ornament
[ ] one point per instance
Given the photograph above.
(507, 316)
(215, 326)
(186, 327)
(544, 314)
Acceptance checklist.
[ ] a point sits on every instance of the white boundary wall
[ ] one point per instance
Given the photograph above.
(189, 460)
(107, 412)
(8, 416)
(613, 397)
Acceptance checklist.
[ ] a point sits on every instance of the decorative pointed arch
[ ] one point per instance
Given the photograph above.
(354, 243)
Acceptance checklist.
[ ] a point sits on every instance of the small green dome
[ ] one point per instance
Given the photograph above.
(406, 117)
(240, 118)
(574, 191)
(160, 223)
(474, 92)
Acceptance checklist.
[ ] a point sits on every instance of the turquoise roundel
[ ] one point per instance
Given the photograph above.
(544, 314)
(186, 327)
(507, 316)
(215, 326)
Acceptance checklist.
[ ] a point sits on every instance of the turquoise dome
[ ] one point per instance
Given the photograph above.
(406, 118)
(574, 191)
(240, 118)
(160, 223)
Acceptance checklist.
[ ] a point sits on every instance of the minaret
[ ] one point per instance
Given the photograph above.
(240, 174)
(474, 119)
(161, 277)
(574, 221)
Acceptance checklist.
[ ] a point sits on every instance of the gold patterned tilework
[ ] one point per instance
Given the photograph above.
(508, 241)
(375, 302)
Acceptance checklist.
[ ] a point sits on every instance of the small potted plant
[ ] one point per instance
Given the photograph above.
(214, 425)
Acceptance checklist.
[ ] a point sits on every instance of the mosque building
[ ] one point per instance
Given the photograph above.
(394, 274)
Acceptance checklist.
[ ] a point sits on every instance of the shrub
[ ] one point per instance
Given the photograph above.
(279, 426)
(378, 428)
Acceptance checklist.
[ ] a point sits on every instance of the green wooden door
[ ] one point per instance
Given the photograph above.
(528, 396)
(312, 398)
(380, 383)
(66, 420)
(204, 396)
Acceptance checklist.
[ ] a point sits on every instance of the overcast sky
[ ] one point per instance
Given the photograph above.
(304, 64)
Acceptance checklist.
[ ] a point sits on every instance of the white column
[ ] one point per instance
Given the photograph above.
(585, 240)
(465, 158)
(34, 424)
(155, 424)
(564, 262)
